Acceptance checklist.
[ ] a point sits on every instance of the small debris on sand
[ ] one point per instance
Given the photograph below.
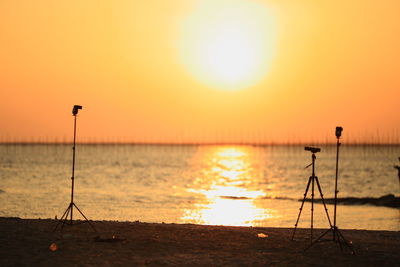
(25, 242)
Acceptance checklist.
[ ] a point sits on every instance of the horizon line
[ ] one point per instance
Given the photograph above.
(202, 143)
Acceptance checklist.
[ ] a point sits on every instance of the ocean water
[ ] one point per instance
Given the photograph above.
(220, 185)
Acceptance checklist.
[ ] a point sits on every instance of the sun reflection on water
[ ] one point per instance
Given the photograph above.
(222, 186)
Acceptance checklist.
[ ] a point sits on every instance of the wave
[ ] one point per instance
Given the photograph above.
(389, 200)
(386, 201)
(265, 197)
(234, 197)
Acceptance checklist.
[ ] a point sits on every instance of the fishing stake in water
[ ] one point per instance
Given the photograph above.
(69, 211)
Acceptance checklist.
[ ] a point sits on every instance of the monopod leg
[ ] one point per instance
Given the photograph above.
(347, 243)
(316, 240)
(85, 217)
(62, 218)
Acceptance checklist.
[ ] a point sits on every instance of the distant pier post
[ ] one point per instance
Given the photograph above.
(398, 169)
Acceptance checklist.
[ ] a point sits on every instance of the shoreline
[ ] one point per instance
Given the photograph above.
(27, 242)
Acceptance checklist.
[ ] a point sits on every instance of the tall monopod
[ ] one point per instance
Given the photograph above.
(64, 220)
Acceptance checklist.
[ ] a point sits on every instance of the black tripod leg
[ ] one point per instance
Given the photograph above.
(65, 220)
(327, 214)
(323, 201)
(301, 207)
(84, 217)
(65, 215)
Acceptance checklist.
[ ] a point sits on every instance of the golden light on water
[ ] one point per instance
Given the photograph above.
(227, 200)
(225, 212)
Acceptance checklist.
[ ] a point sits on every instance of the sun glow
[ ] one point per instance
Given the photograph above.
(228, 44)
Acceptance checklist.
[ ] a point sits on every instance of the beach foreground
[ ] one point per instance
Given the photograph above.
(28, 242)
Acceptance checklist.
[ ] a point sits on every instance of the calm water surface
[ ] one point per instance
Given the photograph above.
(223, 185)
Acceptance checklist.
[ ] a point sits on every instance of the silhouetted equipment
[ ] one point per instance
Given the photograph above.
(75, 109)
(338, 131)
(338, 135)
(69, 211)
(312, 149)
(337, 236)
(312, 180)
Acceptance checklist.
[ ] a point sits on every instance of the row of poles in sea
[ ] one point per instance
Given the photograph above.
(217, 137)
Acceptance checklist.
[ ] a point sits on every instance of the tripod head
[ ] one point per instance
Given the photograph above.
(312, 149)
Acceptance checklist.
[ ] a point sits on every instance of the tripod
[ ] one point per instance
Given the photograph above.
(312, 180)
(337, 236)
(69, 211)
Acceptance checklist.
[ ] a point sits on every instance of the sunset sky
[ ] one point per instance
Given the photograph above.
(200, 71)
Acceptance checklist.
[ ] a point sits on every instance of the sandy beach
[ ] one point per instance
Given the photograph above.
(28, 242)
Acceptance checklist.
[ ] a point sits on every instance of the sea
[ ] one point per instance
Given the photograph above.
(240, 185)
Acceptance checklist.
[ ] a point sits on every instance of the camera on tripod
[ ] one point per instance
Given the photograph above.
(312, 149)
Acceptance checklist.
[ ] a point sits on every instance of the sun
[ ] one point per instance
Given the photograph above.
(228, 44)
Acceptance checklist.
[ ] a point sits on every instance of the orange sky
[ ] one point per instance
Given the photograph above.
(144, 70)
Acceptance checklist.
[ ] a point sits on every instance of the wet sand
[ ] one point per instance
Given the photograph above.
(26, 242)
